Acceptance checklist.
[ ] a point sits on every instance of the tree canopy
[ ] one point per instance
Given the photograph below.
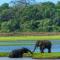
(41, 17)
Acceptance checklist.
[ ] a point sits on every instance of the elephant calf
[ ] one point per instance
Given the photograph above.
(19, 53)
(42, 44)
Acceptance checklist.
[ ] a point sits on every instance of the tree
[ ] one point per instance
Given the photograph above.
(5, 27)
(27, 17)
(5, 6)
(22, 2)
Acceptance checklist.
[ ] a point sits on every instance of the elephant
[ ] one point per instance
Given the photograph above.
(19, 53)
(43, 44)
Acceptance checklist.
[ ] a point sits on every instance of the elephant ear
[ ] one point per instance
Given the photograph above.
(39, 43)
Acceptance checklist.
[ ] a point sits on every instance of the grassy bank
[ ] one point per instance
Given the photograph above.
(36, 55)
(4, 54)
(46, 55)
(14, 38)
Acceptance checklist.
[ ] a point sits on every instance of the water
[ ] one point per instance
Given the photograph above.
(55, 46)
(6, 58)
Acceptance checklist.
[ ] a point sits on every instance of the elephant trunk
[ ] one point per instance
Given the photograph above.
(36, 45)
(31, 52)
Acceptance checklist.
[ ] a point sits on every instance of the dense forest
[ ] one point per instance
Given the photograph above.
(41, 17)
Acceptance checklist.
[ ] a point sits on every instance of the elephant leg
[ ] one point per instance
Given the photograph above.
(42, 50)
(49, 50)
(21, 55)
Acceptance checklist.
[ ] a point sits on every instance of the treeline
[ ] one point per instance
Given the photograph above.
(42, 17)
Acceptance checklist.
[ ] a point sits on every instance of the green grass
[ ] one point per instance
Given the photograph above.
(36, 55)
(14, 38)
(46, 55)
(4, 54)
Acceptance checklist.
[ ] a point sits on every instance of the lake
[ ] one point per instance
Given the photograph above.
(31, 44)
(6, 58)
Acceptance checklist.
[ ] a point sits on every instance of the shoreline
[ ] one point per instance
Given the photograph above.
(53, 55)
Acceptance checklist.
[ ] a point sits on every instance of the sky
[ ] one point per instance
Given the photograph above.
(55, 1)
(4, 1)
(7, 1)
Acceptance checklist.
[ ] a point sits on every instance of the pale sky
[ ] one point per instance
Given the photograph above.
(7, 1)
(55, 1)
